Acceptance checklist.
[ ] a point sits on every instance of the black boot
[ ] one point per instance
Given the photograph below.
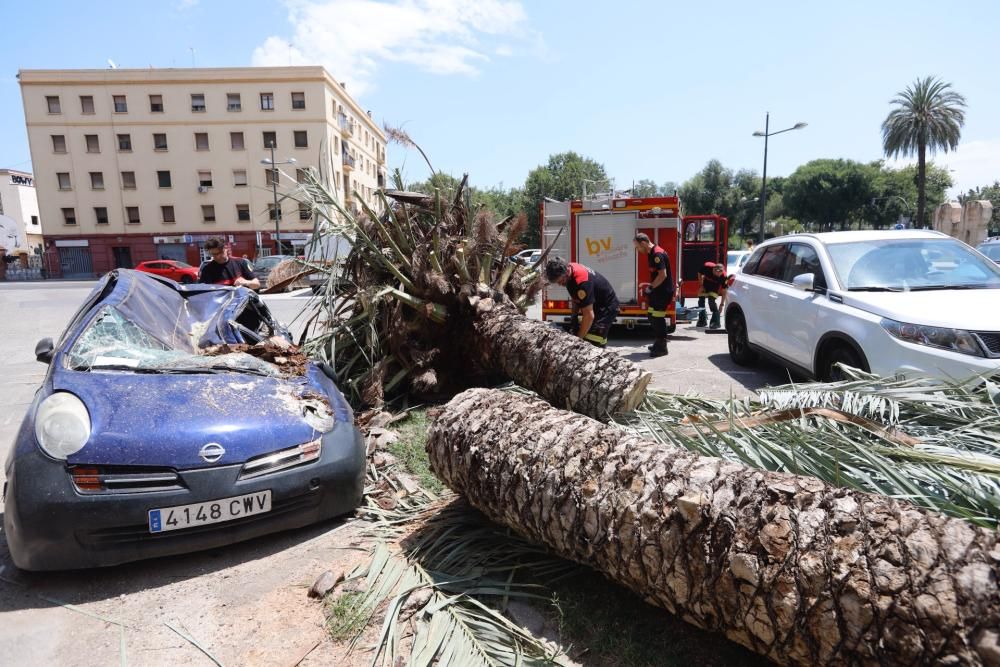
(714, 324)
(659, 348)
(702, 319)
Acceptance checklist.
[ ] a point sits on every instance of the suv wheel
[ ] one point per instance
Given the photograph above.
(739, 342)
(840, 353)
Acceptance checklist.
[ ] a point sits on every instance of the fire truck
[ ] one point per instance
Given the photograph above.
(598, 232)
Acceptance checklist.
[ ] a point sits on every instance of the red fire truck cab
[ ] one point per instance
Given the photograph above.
(598, 233)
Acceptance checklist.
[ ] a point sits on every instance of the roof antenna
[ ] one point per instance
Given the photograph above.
(112, 64)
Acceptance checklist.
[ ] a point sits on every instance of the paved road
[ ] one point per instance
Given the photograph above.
(244, 601)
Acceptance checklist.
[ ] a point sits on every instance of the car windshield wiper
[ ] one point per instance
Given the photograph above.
(927, 288)
(874, 288)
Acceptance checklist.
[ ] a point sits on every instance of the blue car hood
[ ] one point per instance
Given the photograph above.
(165, 420)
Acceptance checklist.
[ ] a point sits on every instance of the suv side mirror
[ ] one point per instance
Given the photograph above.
(44, 349)
(804, 281)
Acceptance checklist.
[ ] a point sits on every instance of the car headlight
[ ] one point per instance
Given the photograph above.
(62, 425)
(956, 340)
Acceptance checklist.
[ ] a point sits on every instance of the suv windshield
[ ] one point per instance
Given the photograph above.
(113, 342)
(911, 264)
(991, 250)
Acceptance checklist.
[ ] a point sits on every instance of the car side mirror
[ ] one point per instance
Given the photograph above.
(44, 349)
(804, 281)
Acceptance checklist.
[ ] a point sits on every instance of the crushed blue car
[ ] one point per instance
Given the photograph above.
(172, 419)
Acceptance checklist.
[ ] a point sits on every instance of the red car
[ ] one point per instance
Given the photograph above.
(168, 268)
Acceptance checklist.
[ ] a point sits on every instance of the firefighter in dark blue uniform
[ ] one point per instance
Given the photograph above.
(592, 296)
(658, 293)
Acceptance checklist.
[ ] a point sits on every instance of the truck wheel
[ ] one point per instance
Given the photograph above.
(739, 341)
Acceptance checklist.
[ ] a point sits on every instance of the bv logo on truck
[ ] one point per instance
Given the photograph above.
(603, 249)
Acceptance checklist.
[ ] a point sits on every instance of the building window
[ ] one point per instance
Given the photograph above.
(156, 103)
(243, 212)
(97, 180)
(101, 215)
(336, 145)
(93, 144)
(121, 106)
(270, 176)
(270, 140)
(197, 102)
(270, 211)
(233, 102)
(86, 104)
(304, 212)
(266, 102)
(208, 213)
(240, 177)
(168, 213)
(298, 100)
(301, 139)
(205, 179)
(69, 216)
(159, 142)
(128, 180)
(63, 178)
(201, 141)
(300, 175)
(54, 107)
(236, 141)
(125, 143)
(58, 143)
(132, 215)
(34, 220)
(163, 179)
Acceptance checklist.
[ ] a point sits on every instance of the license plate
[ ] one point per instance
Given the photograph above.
(214, 511)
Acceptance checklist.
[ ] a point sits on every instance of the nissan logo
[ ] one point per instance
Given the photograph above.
(212, 452)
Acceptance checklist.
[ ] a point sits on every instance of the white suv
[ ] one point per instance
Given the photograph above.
(896, 303)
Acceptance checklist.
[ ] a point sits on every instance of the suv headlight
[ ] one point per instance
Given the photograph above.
(62, 425)
(956, 340)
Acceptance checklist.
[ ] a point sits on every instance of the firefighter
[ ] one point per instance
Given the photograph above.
(658, 293)
(712, 284)
(592, 296)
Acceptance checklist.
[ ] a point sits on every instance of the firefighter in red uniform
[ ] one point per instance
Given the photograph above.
(592, 296)
(225, 270)
(712, 284)
(658, 293)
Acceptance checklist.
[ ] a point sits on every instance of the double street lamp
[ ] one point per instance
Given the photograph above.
(763, 188)
(274, 189)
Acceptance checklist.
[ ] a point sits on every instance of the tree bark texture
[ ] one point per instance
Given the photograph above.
(560, 367)
(795, 569)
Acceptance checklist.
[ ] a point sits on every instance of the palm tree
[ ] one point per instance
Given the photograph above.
(928, 114)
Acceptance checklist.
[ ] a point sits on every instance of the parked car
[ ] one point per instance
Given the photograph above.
(527, 257)
(182, 272)
(735, 259)
(263, 266)
(143, 442)
(990, 248)
(879, 301)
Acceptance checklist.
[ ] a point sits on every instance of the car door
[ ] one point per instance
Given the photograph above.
(796, 311)
(757, 293)
(156, 268)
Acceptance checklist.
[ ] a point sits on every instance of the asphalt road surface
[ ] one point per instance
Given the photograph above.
(246, 603)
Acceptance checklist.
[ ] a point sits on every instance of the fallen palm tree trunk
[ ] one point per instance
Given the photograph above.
(788, 566)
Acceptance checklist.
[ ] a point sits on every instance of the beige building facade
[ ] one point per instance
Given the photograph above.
(134, 165)
(19, 204)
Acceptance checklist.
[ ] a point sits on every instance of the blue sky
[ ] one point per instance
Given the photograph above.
(493, 87)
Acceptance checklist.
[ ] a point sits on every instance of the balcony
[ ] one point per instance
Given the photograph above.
(346, 126)
(348, 162)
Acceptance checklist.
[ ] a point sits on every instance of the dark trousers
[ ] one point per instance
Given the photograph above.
(712, 305)
(603, 319)
(657, 312)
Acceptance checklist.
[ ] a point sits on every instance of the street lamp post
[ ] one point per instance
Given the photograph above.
(763, 188)
(274, 189)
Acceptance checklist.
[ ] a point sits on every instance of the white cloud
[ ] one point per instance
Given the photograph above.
(973, 164)
(183, 5)
(351, 38)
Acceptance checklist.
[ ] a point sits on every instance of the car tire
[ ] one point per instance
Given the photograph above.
(840, 353)
(739, 340)
(186, 280)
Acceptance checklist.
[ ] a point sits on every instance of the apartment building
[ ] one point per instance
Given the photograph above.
(20, 226)
(134, 165)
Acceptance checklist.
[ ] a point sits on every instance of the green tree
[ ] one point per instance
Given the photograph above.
(894, 193)
(646, 188)
(828, 192)
(562, 178)
(927, 115)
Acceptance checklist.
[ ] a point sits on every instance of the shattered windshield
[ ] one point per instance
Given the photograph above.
(112, 342)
